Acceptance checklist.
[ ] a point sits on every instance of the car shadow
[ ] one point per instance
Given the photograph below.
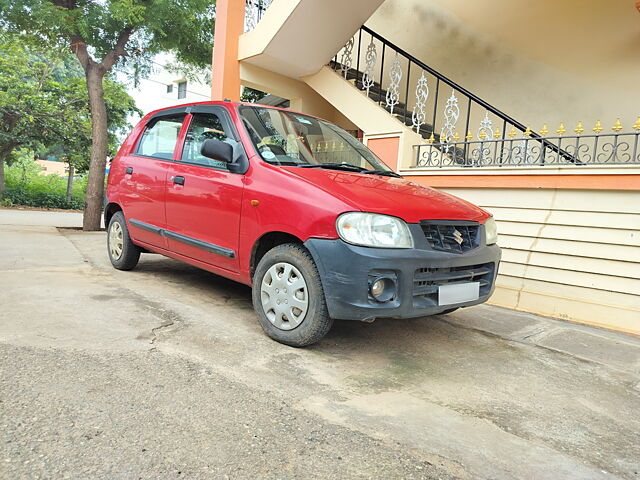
(345, 335)
(176, 272)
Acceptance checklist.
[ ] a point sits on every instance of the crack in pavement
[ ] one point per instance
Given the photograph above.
(155, 330)
(171, 317)
(167, 316)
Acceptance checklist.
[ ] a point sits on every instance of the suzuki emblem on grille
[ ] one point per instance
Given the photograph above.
(458, 237)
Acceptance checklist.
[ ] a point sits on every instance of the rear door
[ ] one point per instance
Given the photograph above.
(145, 177)
(204, 199)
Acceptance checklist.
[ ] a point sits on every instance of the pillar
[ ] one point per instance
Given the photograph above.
(225, 78)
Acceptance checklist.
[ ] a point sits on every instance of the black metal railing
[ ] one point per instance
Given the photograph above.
(592, 149)
(419, 96)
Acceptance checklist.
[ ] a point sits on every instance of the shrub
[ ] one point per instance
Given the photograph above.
(25, 185)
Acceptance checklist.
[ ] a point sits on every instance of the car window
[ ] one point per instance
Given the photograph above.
(203, 127)
(160, 137)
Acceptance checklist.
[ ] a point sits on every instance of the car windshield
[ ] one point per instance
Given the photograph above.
(292, 139)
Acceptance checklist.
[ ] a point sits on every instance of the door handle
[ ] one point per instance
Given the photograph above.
(129, 170)
(179, 180)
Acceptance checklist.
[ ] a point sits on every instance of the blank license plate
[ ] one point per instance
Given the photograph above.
(458, 293)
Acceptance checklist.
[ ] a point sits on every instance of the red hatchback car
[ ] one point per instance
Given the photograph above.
(299, 209)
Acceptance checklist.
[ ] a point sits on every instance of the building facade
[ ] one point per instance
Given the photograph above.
(166, 86)
(531, 115)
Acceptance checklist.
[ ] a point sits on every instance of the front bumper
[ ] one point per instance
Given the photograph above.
(347, 270)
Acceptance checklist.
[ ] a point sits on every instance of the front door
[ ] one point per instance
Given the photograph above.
(203, 198)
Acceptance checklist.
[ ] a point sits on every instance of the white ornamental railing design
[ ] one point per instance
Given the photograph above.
(254, 10)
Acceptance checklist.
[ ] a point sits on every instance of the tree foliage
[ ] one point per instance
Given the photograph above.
(251, 95)
(136, 29)
(44, 104)
(106, 33)
(33, 102)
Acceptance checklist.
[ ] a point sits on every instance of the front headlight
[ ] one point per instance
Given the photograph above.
(374, 230)
(491, 231)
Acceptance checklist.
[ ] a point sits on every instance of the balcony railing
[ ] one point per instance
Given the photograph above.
(593, 149)
(254, 10)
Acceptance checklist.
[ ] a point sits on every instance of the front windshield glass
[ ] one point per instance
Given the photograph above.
(293, 139)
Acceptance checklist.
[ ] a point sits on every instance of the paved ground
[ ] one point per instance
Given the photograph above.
(163, 372)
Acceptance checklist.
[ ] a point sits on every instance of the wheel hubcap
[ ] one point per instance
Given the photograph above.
(284, 295)
(116, 240)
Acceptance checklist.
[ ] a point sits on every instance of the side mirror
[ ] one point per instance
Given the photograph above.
(217, 150)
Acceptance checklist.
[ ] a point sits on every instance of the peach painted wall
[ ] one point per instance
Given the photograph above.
(387, 149)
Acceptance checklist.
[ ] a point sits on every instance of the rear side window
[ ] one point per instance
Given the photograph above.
(160, 137)
(204, 126)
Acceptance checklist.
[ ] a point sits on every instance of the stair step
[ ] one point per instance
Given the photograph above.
(401, 113)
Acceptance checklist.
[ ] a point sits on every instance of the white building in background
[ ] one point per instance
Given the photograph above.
(165, 87)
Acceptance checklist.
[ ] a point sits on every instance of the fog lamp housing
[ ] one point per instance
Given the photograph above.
(383, 288)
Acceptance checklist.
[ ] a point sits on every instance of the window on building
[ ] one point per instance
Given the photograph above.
(203, 127)
(182, 89)
(170, 88)
(160, 137)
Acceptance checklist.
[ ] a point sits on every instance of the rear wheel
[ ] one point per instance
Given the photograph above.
(123, 253)
(288, 296)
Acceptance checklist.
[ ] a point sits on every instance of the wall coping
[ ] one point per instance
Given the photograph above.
(533, 170)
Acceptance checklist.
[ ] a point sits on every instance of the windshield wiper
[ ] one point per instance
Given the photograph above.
(336, 166)
(350, 168)
(386, 173)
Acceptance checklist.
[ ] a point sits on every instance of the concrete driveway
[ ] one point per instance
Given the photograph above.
(163, 372)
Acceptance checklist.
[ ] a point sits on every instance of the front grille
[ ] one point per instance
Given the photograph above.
(427, 280)
(456, 237)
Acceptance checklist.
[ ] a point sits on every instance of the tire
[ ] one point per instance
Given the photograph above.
(123, 253)
(274, 303)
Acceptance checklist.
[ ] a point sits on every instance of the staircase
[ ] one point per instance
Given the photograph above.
(384, 89)
(418, 96)
(378, 94)
(402, 113)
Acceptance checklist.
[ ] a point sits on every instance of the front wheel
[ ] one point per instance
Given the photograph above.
(288, 296)
(123, 253)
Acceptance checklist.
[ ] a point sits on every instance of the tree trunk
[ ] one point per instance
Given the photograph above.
(99, 148)
(94, 73)
(70, 183)
(1, 178)
(5, 151)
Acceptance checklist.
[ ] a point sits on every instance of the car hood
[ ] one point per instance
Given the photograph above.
(389, 195)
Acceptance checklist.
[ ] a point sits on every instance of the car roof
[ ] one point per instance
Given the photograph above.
(153, 113)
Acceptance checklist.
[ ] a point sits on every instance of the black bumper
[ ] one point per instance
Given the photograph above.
(347, 270)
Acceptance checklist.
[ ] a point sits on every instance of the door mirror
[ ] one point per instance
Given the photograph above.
(217, 150)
